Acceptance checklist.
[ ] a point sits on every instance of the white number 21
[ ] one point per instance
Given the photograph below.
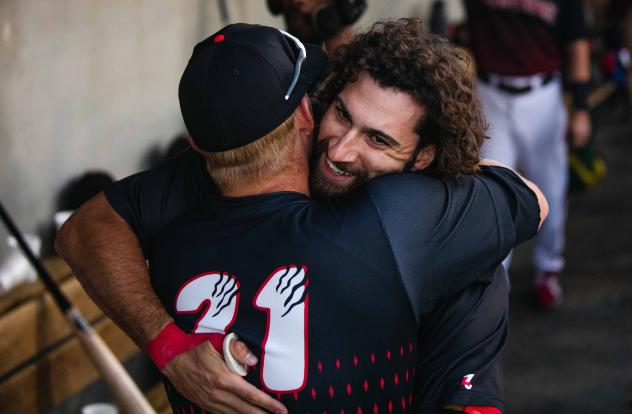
(283, 296)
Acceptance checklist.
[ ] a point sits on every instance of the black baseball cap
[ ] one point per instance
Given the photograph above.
(233, 90)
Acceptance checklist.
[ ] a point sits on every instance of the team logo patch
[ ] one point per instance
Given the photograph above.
(466, 382)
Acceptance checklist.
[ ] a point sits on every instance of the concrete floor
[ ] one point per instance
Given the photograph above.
(578, 359)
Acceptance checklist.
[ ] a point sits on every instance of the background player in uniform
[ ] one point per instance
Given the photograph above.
(520, 47)
(326, 22)
(360, 142)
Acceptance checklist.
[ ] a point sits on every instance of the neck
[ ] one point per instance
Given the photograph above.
(294, 178)
(279, 183)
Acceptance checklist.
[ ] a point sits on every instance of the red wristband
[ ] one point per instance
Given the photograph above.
(482, 410)
(173, 341)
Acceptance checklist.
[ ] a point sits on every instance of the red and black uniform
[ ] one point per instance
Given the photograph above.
(343, 301)
(522, 37)
(520, 49)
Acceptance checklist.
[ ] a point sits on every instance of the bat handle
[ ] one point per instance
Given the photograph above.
(130, 399)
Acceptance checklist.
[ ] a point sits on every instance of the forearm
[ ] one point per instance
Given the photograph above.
(106, 258)
(578, 68)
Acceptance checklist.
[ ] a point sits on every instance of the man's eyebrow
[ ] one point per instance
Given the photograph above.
(343, 107)
(390, 141)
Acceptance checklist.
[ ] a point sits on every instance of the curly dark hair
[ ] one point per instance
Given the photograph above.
(402, 55)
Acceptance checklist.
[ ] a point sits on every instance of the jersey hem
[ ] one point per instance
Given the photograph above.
(462, 398)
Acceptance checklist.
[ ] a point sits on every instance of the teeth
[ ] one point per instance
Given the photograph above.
(336, 169)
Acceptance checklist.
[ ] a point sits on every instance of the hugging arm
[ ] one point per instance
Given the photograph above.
(104, 241)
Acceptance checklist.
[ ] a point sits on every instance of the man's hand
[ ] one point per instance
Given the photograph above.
(201, 376)
(579, 128)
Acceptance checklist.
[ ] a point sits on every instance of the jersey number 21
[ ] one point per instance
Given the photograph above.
(284, 298)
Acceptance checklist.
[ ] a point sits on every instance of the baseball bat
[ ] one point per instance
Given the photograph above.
(129, 397)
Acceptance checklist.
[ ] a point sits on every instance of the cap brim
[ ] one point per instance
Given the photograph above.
(312, 70)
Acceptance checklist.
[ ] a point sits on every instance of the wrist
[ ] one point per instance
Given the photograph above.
(173, 341)
(579, 93)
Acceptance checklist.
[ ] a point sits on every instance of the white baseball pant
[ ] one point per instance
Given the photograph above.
(528, 133)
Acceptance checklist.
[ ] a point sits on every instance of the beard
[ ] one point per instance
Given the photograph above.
(321, 186)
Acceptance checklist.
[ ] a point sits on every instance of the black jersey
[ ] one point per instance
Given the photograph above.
(461, 343)
(522, 37)
(358, 273)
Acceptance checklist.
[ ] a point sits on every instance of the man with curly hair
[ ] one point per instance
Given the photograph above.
(394, 282)
(397, 56)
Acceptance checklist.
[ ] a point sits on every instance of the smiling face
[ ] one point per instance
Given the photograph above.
(367, 131)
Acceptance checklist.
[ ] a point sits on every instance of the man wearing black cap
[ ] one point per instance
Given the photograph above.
(278, 268)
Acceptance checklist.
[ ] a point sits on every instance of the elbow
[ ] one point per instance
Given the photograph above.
(75, 237)
(68, 236)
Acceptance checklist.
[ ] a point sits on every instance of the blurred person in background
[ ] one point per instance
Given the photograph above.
(320, 21)
(524, 50)
(618, 37)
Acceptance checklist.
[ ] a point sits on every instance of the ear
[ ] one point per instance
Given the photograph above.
(303, 119)
(194, 145)
(425, 157)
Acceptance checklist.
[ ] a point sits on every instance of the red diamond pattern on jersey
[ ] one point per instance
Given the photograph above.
(340, 395)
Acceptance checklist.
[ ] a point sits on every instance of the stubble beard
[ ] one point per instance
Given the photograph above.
(322, 187)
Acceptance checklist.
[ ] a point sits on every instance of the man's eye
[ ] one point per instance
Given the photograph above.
(341, 114)
(377, 140)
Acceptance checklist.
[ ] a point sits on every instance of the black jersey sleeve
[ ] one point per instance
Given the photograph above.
(444, 234)
(521, 201)
(572, 21)
(149, 200)
(461, 343)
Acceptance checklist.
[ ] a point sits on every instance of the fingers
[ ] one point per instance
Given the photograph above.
(242, 354)
(229, 403)
(202, 377)
(252, 396)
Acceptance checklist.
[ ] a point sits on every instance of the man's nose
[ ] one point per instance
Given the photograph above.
(344, 148)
